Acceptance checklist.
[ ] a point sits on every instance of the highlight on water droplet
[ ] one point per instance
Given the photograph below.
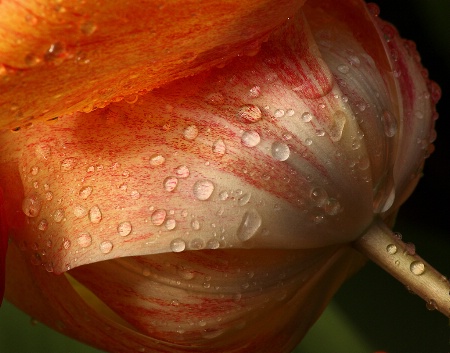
(31, 205)
(249, 113)
(250, 225)
(68, 164)
(417, 268)
(191, 132)
(177, 245)
(85, 192)
(95, 215)
(158, 217)
(84, 239)
(124, 229)
(203, 189)
(250, 138)
(280, 151)
(219, 148)
(106, 247)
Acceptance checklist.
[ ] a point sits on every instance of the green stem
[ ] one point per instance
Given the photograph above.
(384, 248)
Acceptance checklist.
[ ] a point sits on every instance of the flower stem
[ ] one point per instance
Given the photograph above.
(384, 248)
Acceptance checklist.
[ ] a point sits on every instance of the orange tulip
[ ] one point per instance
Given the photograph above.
(211, 200)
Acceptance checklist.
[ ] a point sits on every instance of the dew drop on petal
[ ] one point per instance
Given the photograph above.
(177, 245)
(389, 123)
(337, 125)
(58, 216)
(332, 206)
(88, 27)
(31, 206)
(280, 151)
(203, 189)
(84, 239)
(68, 164)
(66, 243)
(306, 117)
(156, 160)
(80, 211)
(191, 132)
(391, 249)
(106, 247)
(244, 199)
(254, 92)
(158, 217)
(171, 224)
(219, 148)
(195, 224)
(212, 244)
(182, 171)
(249, 113)
(319, 196)
(85, 192)
(250, 224)
(197, 244)
(417, 268)
(250, 138)
(135, 195)
(95, 215)
(170, 183)
(124, 229)
(344, 69)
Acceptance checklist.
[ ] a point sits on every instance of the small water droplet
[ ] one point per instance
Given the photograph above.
(68, 164)
(431, 305)
(389, 123)
(391, 249)
(106, 247)
(219, 147)
(197, 244)
(43, 225)
(244, 199)
(80, 211)
(34, 170)
(88, 27)
(158, 217)
(135, 195)
(31, 206)
(124, 229)
(279, 113)
(170, 183)
(203, 189)
(337, 126)
(332, 206)
(182, 171)
(249, 113)
(85, 192)
(95, 215)
(191, 132)
(250, 224)
(212, 244)
(319, 196)
(58, 216)
(156, 160)
(84, 239)
(250, 138)
(417, 268)
(280, 151)
(223, 195)
(66, 243)
(170, 224)
(306, 117)
(308, 142)
(343, 69)
(255, 92)
(195, 224)
(177, 245)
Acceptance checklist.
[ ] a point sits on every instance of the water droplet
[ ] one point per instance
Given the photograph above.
(391, 249)
(244, 199)
(308, 142)
(337, 126)
(212, 244)
(250, 138)
(203, 189)
(343, 69)
(43, 225)
(135, 195)
(95, 215)
(319, 196)
(417, 268)
(123, 187)
(332, 206)
(170, 183)
(80, 211)
(431, 305)
(389, 123)
(177, 245)
(68, 164)
(249, 113)
(195, 224)
(158, 217)
(219, 147)
(418, 114)
(106, 247)
(88, 27)
(31, 206)
(197, 244)
(320, 133)
(66, 243)
(34, 170)
(250, 224)
(254, 92)
(306, 117)
(170, 224)
(182, 171)
(124, 229)
(191, 132)
(279, 113)
(185, 273)
(85, 192)
(156, 160)
(58, 216)
(280, 151)
(84, 239)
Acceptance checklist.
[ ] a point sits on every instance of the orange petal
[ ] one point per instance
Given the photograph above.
(58, 58)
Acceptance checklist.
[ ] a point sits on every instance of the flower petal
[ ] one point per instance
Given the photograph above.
(60, 58)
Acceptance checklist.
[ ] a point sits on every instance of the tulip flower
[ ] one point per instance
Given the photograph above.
(203, 177)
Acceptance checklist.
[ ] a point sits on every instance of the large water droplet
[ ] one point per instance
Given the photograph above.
(417, 268)
(219, 147)
(280, 151)
(250, 224)
(95, 215)
(191, 132)
(84, 239)
(249, 113)
(85, 192)
(58, 216)
(203, 189)
(158, 217)
(170, 183)
(68, 164)
(31, 206)
(106, 247)
(177, 245)
(389, 123)
(250, 138)
(124, 229)
(156, 160)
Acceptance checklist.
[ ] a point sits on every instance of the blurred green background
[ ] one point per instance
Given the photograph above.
(372, 311)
